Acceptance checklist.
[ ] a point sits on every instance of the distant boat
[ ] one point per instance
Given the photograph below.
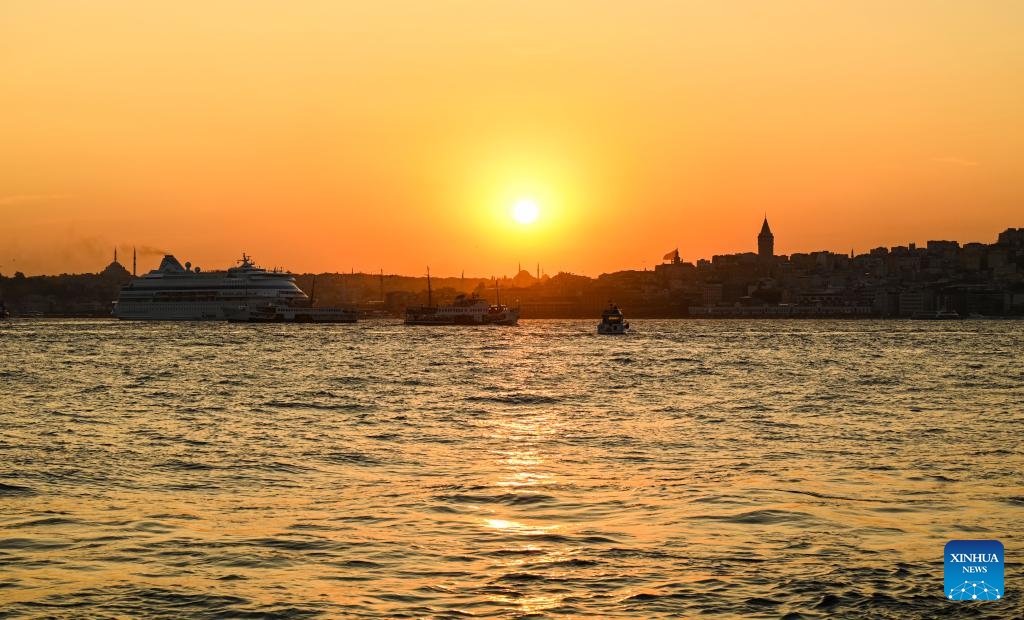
(937, 315)
(465, 310)
(613, 323)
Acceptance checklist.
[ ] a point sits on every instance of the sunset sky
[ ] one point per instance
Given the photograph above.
(329, 136)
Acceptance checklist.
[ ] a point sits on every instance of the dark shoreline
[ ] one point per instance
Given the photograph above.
(729, 317)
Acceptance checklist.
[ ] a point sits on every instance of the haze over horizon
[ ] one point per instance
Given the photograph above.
(148, 258)
(395, 134)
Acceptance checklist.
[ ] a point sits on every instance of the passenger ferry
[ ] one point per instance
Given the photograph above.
(173, 292)
(465, 310)
(471, 310)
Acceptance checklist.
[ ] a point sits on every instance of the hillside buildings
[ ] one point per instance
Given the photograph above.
(973, 279)
(980, 279)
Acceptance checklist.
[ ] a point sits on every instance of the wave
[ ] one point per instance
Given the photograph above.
(510, 499)
(518, 398)
(14, 490)
(758, 517)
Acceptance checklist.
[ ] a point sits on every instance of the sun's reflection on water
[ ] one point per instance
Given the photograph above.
(538, 604)
(515, 527)
(523, 467)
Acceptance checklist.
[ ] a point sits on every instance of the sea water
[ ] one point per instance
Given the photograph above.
(741, 468)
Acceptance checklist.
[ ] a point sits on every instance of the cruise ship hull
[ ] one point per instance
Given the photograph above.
(169, 311)
(287, 314)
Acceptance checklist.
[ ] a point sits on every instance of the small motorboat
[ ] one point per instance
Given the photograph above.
(937, 315)
(612, 323)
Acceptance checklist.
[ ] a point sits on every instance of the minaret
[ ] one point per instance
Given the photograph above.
(133, 262)
(765, 241)
(115, 254)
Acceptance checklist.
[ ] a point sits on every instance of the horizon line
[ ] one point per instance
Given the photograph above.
(380, 273)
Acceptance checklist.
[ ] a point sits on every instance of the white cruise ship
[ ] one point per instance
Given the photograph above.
(173, 292)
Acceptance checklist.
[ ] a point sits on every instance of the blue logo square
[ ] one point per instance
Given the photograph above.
(974, 570)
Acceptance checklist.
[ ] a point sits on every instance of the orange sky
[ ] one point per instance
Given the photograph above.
(395, 134)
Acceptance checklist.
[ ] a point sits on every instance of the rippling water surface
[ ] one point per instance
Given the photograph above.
(754, 469)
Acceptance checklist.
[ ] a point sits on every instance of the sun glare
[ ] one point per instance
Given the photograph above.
(526, 211)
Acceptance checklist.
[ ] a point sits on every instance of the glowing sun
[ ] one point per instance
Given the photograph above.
(526, 211)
